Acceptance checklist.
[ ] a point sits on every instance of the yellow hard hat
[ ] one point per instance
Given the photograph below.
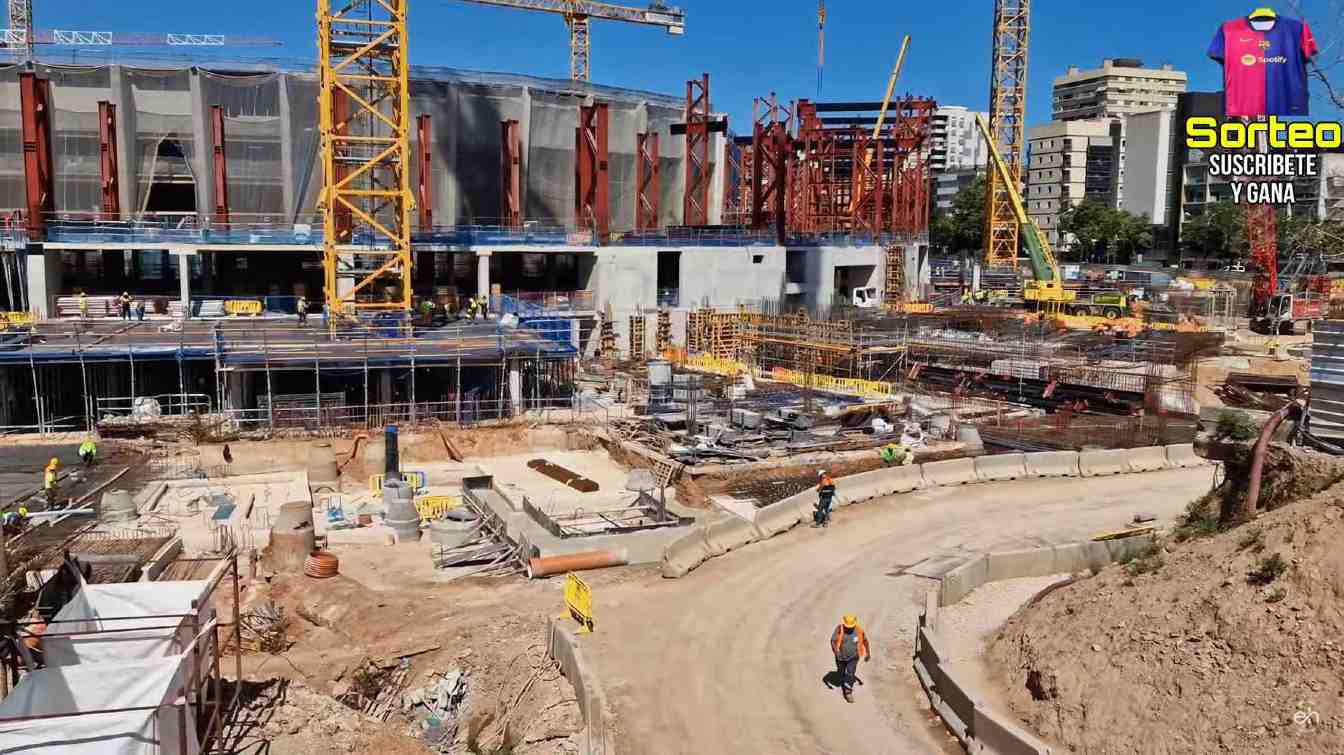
(23, 511)
(55, 462)
(850, 621)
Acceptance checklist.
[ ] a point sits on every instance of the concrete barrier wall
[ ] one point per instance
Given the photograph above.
(999, 467)
(1052, 464)
(728, 534)
(778, 517)
(563, 646)
(959, 582)
(1100, 463)
(950, 472)
(1183, 455)
(683, 554)
(980, 729)
(1150, 459)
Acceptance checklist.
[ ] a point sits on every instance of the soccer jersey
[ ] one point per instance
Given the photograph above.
(1264, 72)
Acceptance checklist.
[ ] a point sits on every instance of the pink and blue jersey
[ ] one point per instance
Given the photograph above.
(1264, 72)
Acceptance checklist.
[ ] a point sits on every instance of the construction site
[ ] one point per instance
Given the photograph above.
(353, 405)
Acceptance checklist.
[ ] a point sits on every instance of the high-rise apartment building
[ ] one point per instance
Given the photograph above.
(1120, 87)
(1069, 162)
(956, 143)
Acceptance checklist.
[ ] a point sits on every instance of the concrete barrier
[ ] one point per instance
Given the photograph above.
(1000, 736)
(1029, 562)
(685, 553)
(902, 479)
(1100, 463)
(563, 646)
(950, 472)
(1148, 459)
(1052, 464)
(728, 534)
(959, 711)
(777, 517)
(1183, 455)
(997, 467)
(959, 582)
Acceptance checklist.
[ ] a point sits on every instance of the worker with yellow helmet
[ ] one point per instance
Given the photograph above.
(849, 643)
(49, 480)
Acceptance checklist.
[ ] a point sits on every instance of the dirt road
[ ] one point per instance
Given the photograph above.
(732, 657)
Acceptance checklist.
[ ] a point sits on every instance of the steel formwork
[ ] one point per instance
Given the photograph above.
(592, 185)
(220, 164)
(35, 105)
(646, 181)
(107, 161)
(511, 174)
(695, 207)
(424, 160)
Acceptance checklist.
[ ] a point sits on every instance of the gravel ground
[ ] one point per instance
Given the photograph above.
(964, 627)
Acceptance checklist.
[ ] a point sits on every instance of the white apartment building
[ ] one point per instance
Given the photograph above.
(1120, 87)
(1069, 161)
(1151, 164)
(956, 142)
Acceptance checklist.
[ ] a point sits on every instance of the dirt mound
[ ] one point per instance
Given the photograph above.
(1229, 643)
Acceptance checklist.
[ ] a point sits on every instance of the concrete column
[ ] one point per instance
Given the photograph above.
(524, 146)
(43, 274)
(286, 150)
(482, 273)
(384, 387)
(127, 194)
(201, 162)
(233, 390)
(448, 196)
(587, 263)
(184, 280)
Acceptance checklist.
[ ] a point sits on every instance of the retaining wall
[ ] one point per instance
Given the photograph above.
(563, 646)
(980, 729)
(703, 542)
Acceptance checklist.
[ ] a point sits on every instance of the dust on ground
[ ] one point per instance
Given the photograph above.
(339, 628)
(1201, 646)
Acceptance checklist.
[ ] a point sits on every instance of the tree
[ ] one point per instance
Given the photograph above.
(1220, 231)
(1105, 232)
(964, 227)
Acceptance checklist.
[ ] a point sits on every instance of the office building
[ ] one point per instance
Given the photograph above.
(1118, 88)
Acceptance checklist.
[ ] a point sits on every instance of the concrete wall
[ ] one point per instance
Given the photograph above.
(563, 646)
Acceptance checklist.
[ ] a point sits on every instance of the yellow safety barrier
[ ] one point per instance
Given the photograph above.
(242, 307)
(432, 507)
(16, 318)
(916, 307)
(715, 365)
(416, 480)
(579, 601)
(851, 386)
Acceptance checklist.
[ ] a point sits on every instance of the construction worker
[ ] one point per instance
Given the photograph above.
(485, 307)
(821, 517)
(83, 305)
(49, 481)
(302, 308)
(896, 454)
(88, 452)
(471, 308)
(849, 643)
(14, 521)
(124, 304)
(140, 310)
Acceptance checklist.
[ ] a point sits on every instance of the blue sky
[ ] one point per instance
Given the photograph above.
(749, 47)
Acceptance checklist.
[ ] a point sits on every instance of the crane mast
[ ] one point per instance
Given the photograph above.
(1007, 118)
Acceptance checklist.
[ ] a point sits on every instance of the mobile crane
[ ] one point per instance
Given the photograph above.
(1047, 289)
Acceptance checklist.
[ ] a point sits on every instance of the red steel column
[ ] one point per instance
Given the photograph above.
(221, 165)
(424, 158)
(646, 182)
(35, 104)
(592, 190)
(511, 174)
(695, 202)
(340, 114)
(107, 152)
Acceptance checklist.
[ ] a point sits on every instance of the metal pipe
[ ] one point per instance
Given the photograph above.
(545, 567)
(1258, 456)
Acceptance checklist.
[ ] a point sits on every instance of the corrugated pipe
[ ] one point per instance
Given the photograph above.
(545, 567)
(1258, 455)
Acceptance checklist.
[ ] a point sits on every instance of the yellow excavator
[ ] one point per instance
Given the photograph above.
(1047, 289)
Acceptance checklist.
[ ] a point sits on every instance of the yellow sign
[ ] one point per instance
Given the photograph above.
(579, 601)
(16, 318)
(243, 307)
(417, 481)
(433, 506)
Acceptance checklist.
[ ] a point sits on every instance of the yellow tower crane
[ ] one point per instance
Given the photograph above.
(577, 13)
(1007, 117)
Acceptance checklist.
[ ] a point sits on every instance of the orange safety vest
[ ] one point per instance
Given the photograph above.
(839, 636)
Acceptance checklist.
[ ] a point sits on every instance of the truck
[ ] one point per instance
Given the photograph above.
(1108, 304)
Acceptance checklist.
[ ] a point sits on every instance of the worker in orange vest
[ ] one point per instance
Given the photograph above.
(849, 643)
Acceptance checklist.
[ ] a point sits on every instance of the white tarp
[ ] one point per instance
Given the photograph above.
(101, 686)
(91, 609)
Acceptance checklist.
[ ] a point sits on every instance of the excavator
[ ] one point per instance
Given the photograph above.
(1046, 290)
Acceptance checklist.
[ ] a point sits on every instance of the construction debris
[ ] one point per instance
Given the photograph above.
(435, 709)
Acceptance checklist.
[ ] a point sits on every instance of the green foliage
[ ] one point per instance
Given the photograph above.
(1102, 232)
(1235, 425)
(1276, 595)
(1220, 231)
(963, 227)
(1148, 560)
(1253, 540)
(1303, 234)
(1267, 570)
(1199, 520)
